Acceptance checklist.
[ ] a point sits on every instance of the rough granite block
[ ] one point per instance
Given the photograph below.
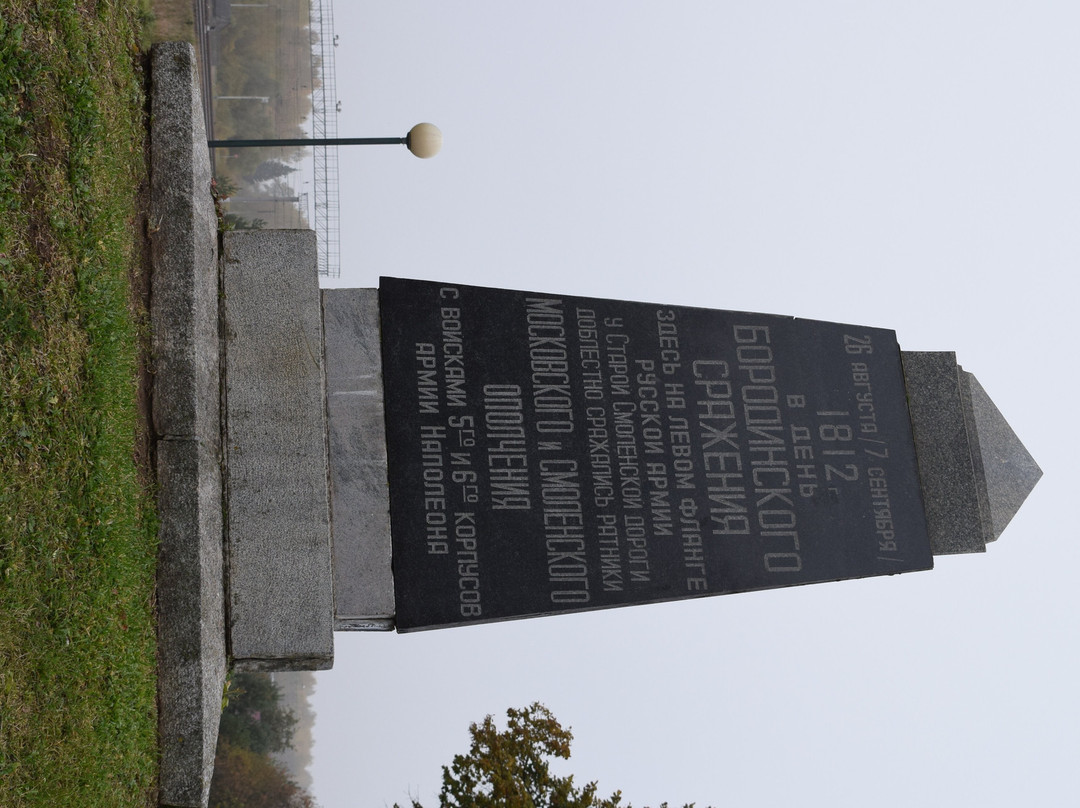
(186, 408)
(360, 499)
(183, 243)
(191, 625)
(280, 597)
(975, 472)
(944, 449)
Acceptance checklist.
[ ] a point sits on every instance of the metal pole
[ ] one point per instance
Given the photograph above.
(325, 141)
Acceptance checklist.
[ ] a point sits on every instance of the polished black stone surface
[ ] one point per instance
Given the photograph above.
(552, 453)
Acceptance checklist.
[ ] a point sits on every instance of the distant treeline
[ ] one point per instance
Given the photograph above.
(255, 727)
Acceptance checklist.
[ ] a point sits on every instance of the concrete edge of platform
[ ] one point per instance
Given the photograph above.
(187, 429)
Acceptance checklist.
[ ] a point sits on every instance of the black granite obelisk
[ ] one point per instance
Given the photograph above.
(554, 454)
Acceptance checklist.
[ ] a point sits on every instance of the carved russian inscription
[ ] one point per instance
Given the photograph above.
(551, 454)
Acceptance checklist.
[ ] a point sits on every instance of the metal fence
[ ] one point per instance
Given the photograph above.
(268, 71)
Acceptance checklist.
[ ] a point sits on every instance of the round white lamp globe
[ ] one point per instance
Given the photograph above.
(424, 140)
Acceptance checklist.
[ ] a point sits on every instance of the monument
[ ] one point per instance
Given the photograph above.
(431, 454)
(554, 454)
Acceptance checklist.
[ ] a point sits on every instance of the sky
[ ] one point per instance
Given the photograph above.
(910, 166)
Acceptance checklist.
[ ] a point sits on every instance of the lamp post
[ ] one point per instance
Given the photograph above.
(424, 140)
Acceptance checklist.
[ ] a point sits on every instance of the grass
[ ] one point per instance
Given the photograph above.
(77, 526)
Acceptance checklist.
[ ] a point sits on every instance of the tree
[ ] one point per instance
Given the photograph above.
(233, 221)
(254, 718)
(270, 169)
(244, 779)
(510, 769)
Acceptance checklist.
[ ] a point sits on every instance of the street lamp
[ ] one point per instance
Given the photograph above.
(424, 140)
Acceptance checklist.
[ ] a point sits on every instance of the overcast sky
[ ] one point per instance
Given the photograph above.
(910, 166)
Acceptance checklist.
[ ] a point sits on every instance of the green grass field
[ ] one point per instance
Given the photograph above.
(77, 526)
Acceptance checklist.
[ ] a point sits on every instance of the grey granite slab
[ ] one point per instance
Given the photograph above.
(360, 501)
(280, 592)
(944, 451)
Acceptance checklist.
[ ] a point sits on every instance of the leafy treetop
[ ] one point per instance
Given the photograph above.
(511, 768)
